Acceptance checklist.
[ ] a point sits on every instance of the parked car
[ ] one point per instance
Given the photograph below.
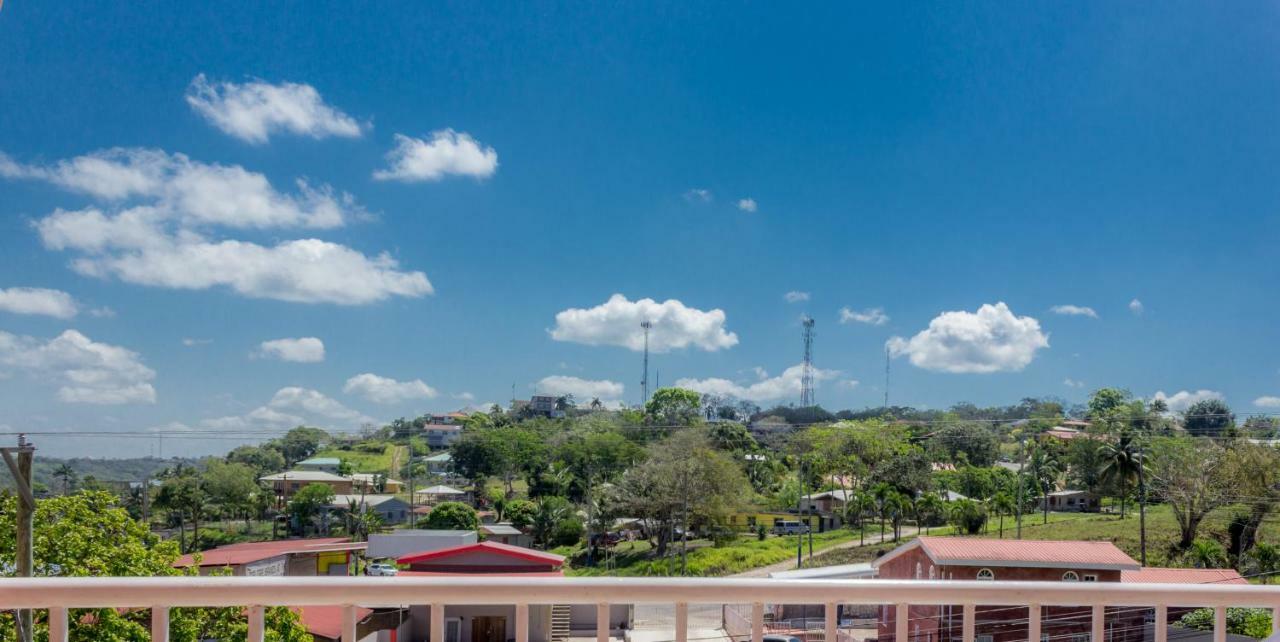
(381, 568)
(790, 528)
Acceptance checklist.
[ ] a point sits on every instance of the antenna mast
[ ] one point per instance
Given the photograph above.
(806, 380)
(644, 381)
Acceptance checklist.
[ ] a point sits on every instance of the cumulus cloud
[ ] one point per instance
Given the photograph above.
(52, 303)
(698, 195)
(796, 296)
(464, 396)
(1183, 399)
(386, 390)
(103, 312)
(1072, 383)
(1267, 402)
(989, 340)
(616, 322)
(254, 110)
(176, 188)
(192, 342)
(159, 212)
(747, 204)
(870, 316)
(784, 385)
(293, 406)
(1074, 311)
(584, 390)
(447, 153)
(299, 350)
(1136, 307)
(86, 371)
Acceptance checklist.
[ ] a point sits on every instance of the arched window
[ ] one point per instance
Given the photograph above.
(932, 572)
(986, 574)
(919, 571)
(1070, 576)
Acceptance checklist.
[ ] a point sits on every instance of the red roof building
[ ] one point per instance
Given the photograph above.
(322, 556)
(485, 558)
(1156, 575)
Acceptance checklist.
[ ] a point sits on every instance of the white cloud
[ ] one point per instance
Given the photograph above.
(299, 350)
(698, 195)
(784, 385)
(86, 371)
(1072, 383)
(254, 110)
(386, 390)
(1074, 310)
(192, 193)
(989, 340)
(191, 343)
(448, 153)
(53, 303)
(849, 383)
(796, 296)
(870, 316)
(1267, 402)
(583, 390)
(310, 402)
(1183, 399)
(102, 312)
(747, 204)
(1136, 307)
(293, 406)
(617, 323)
(464, 396)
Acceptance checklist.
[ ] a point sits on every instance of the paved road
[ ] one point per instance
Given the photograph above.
(790, 564)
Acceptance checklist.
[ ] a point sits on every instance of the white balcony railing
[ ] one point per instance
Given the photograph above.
(60, 594)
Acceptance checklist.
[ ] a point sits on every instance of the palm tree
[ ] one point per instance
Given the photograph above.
(1266, 560)
(859, 504)
(1045, 469)
(1002, 503)
(1206, 553)
(928, 507)
(67, 474)
(880, 493)
(1121, 462)
(896, 505)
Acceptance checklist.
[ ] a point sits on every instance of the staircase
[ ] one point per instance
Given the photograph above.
(559, 623)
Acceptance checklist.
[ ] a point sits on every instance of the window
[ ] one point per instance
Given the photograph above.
(919, 571)
(982, 638)
(932, 572)
(986, 574)
(1090, 577)
(1070, 576)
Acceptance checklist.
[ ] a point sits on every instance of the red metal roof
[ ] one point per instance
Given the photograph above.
(247, 552)
(505, 550)
(326, 621)
(1156, 575)
(443, 574)
(975, 551)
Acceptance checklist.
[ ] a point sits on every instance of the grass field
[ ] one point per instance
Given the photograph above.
(364, 462)
(705, 560)
(1162, 534)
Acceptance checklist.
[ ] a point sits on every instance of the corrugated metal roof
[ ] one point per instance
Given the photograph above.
(975, 551)
(1156, 575)
(246, 552)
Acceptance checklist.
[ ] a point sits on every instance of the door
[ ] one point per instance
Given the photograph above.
(488, 628)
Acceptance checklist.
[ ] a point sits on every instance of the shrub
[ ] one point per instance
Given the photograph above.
(1255, 623)
(452, 516)
(567, 532)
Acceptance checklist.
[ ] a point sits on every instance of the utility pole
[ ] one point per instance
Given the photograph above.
(800, 511)
(1142, 503)
(1022, 464)
(644, 380)
(21, 471)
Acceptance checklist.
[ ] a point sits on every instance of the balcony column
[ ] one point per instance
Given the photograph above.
(348, 623)
(1275, 620)
(1162, 623)
(57, 624)
(437, 623)
(970, 617)
(159, 624)
(757, 622)
(1033, 622)
(602, 622)
(682, 622)
(257, 628)
(522, 623)
(902, 617)
(1099, 623)
(831, 613)
(1220, 624)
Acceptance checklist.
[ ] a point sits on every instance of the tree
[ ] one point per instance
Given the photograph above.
(301, 443)
(231, 486)
(1265, 561)
(967, 516)
(928, 508)
(520, 513)
(1003, 504)
(504, 453)
(1207, 553)
(972, 443)
(673, 407)
(264, 459)
(453, 516)
(550, 512)
(1189, 474)
(67, 475)
(1121, 463)
(88, 534)
(882, 494)
(1044, 468)
(1209, 418)
(308, 503)
(345, 469)
(1106, 402)
(183, 494)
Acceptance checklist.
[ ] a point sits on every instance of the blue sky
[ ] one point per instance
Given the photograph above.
(911, 160)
